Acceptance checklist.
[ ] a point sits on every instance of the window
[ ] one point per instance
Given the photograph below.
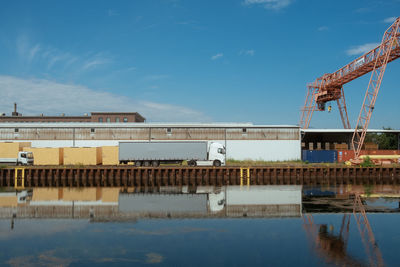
(116, 119)
(100, 119)
(16, 130)
(244, 131)
(169, 131)
(92, 130)
(125, 119)
(108, 120)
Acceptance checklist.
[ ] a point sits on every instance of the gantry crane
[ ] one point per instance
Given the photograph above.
(329, 87)
(333, 247)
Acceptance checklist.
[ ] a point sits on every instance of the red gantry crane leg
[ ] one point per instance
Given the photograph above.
(329, 87)
(390, 42)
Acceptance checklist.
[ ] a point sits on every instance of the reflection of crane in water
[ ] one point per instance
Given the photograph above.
(332, 247)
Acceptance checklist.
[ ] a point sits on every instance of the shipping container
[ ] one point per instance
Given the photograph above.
(82, 155)
(317, 156)
(110, 155)
(9, 150)
(47, 155)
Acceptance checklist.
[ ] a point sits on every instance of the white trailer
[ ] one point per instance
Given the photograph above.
(197, 153)
(24, 158)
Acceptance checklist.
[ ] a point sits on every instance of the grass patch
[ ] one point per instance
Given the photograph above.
(245, 163)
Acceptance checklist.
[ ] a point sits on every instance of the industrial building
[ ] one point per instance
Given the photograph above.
(242, 141)
(101, 117)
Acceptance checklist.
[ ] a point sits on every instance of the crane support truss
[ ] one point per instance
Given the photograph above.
(366, 233)
(329, 87)
(388, 51)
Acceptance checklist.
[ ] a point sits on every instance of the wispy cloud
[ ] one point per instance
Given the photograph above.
(269, 4)
(322, 28)
(250, 52)
(217, 56)
(33, 51)
(94, 62)
(36, 96)
(156, 77)
(112, 12)
(361, 49)
(389, 20)
(52, 57)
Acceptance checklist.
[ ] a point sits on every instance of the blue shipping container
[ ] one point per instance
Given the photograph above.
(316, 156)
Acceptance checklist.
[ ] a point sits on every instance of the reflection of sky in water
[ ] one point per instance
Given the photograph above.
(183, 242)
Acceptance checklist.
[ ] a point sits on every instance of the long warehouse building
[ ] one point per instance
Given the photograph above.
(242, 141)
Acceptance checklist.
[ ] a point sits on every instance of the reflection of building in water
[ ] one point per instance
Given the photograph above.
(184, 201)
(13, 199)
(79, 197)
(263, 201)
(59, 203)
(231, 201)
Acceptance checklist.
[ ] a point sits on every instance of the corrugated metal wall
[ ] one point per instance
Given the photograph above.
(146, 133)
(254, 143)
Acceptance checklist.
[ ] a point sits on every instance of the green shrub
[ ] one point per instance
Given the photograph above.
(367, 162)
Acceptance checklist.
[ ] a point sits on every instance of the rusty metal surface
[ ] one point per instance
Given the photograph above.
(180, 176)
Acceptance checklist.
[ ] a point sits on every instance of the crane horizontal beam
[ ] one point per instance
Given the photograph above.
(355, 69)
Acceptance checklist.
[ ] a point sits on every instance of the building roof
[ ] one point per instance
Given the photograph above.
(135, 125)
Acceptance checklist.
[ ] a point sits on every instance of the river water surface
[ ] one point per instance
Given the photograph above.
(202, 226)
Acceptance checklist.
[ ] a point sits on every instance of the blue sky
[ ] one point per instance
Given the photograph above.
(190, 61)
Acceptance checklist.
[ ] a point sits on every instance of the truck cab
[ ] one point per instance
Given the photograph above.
(216, 154)
(25, 158)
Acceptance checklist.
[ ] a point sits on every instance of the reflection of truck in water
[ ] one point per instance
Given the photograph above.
(24, 158)
(155, 153)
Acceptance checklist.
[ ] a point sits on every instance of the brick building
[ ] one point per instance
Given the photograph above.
(106, 117)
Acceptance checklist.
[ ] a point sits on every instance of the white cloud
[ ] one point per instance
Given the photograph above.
(389, 20)
(219, 55)
(250, 52)
(361, 49)
(322, 28)
(36, 96)
(269, 4)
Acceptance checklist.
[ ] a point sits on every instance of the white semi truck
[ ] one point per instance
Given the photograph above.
(154, 153)
(24, 158)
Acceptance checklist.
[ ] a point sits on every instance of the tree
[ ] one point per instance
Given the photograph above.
(384, 140)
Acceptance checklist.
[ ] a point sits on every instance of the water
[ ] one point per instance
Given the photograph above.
(203, 226)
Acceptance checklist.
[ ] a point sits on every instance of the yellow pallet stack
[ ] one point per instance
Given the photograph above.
(82, 155)
(23, 145)
(110, 155)
(11, 149)
(47, 155)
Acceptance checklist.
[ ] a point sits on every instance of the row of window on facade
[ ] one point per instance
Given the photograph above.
(116, 119)
(169, 130)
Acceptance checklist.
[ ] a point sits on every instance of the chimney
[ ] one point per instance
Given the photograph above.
(15, 113)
